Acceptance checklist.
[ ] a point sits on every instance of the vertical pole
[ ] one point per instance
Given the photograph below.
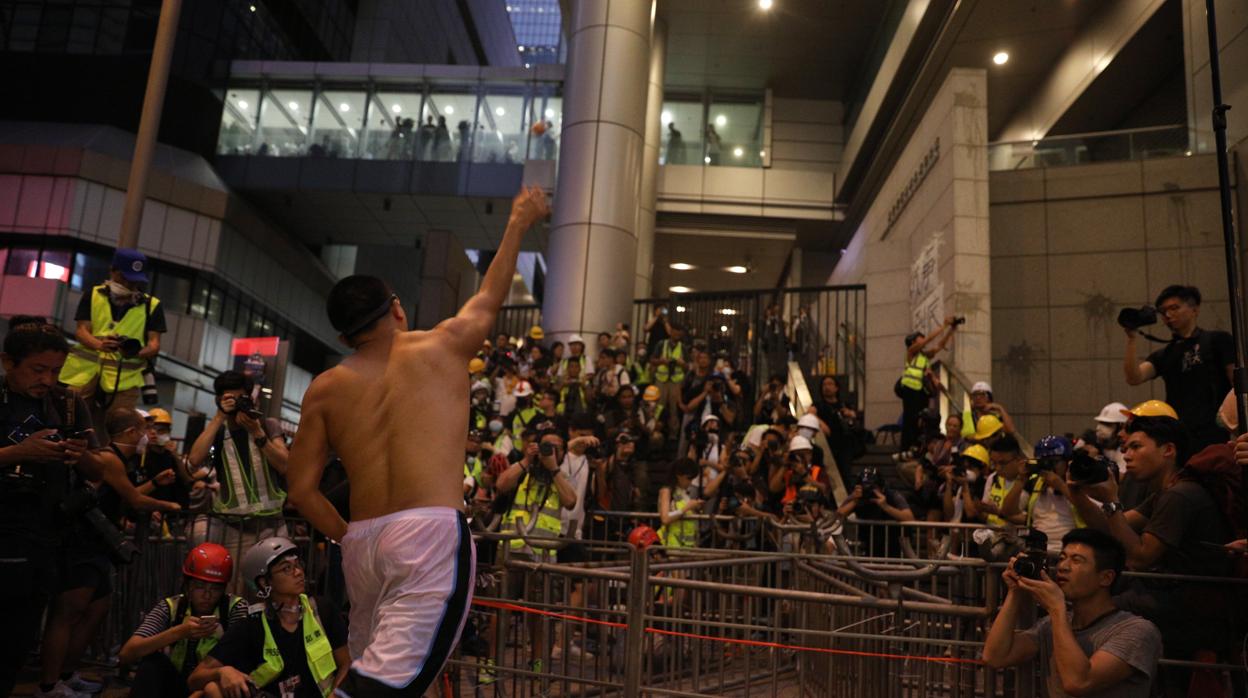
(638, 587)
(149, 123)
(1235, 292)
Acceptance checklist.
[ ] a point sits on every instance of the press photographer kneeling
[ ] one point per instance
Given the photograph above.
(1092, 650)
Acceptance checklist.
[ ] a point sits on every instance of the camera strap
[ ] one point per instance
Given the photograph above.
(1159, 340)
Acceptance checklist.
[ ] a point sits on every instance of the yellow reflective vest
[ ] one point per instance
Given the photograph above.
(315, 643)
(116, 373)
(535, 513)
(177, 651)
(671, 352)
(912, 377)
(683, 532)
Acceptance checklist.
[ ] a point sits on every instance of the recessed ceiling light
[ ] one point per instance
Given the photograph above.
(294, 106)
(707, 159)
(242, 104)
(521, 49)
(764, 4)
(550, 113)
(721, 121)
(738, 269)
(680, 308)
(727, 311)
(252, 8)
(680, 266)
(723, 328)
(499, 111)
(738, 152)
(448, 109)
(679, 289)
(1000, 58)
(396, 108)
(344, 107)
(666, 117)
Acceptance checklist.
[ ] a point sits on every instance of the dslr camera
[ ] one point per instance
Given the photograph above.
(869, 481)
(1135, 318)
(246, 405)
(85, 503)
(1035, 556)
(959, 320)
(1087, 469)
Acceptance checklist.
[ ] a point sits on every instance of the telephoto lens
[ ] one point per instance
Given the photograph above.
(1087, 469)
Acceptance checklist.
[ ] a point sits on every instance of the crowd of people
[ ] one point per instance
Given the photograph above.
(569, 447)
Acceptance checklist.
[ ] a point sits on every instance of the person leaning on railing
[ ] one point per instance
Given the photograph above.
(1094, 649)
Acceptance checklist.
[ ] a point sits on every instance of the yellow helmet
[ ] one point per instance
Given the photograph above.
(1152, 408)
(978, 453)
(476, 366)
(160, 416)
(987, 425)
(536, 333)
(651, 394)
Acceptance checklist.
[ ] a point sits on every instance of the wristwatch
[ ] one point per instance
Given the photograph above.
(1111, 508)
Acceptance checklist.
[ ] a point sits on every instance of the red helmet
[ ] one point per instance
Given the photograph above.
(209, 562)
(643, 537)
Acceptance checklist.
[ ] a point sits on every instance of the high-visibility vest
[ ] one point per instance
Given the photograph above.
(996, 495)
(252, 491)
(912, 377)
(683, 532)
(563, 365)
(177, 651)
(522, 418)
(670, 351)
(563, 398)
(315, 644)
(479, 420)
(1035, 486)
(534, 513)
(473, 468)
(83, 364)
(641, 372)
(790, 489)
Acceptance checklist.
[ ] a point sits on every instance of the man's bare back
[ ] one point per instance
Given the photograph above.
(396, 410)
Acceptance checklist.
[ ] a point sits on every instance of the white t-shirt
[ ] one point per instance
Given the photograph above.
(506, 398)
(577, 469)
(1052, 515)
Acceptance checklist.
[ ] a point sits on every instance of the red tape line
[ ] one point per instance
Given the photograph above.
(503, 605)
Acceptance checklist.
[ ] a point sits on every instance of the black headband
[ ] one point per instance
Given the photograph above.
(369, 319)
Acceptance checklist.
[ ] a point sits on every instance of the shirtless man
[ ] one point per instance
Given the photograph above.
(396, 412)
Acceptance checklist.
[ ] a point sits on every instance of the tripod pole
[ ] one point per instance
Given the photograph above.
(1235, 292)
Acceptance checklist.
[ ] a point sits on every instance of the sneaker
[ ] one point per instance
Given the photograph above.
(60, 690)
(486, 674)
(77, 683)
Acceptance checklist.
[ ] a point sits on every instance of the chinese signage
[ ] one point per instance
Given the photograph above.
(927, 293)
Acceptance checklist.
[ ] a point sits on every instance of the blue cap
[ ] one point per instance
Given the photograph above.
(132, 264)
(1054, 446)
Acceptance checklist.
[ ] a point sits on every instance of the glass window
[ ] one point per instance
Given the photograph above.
(22, 262)
(547, 108)
(338, 123)
(172, 288)
(394, 130)
(244, 318)
(229, 312)
(501, 125)
(734, 133)
(284, 119)
(216, 298)
(682, 132)
(452, 138)
(238, 122)
(199, 297)
(89, 270)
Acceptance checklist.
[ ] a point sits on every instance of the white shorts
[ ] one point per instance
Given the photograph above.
(409, 578)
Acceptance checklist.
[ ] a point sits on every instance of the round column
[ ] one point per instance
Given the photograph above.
(644, 282)
(592, 253)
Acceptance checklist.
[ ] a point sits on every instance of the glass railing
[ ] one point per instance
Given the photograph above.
(1085, 148)
(430, 119)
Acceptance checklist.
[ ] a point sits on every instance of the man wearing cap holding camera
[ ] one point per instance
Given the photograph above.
(119, 328)
(1196, 364)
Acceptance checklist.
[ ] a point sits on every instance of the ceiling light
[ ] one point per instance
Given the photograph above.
(679, 289)
(550, 113)
(680, 308)
(727, 311)
(252, 8)
(738, 269)
(294, 106)
(721, 121)
(764, 4)
(738, 152)
(1000, 57)
(344, 107)
(499, 111)
(448, 109)
(707, 159)
(396, 108)
(521, 49)
(723, 328)
(680, 266)
(762, 153)
(666, 117)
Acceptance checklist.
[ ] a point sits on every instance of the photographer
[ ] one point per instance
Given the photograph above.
(653, 420)
(797, 472)
(1007, 461)
(694, 392)
(675, 506)
(912, 387)
(773, 403)
(964, 484)
(1047, 508)
(872, 501)
(983, 404)
(249, 456)
(295, 646)
(119, 328)
(573, 392)
(1196, 364)
(180, 630)
(619, 484)
(44, 440)
(1093, 649)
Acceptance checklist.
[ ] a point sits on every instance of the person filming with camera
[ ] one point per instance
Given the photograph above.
(1042, 494)
(1092, 649)
(1196, 365)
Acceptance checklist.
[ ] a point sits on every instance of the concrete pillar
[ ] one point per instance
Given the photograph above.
(644, 285)
(592, 254)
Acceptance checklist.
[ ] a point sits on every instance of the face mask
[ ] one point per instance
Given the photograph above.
(162, 439)
(118, 293)
(712, 437)
(496, 425)
(972, 476)
(807, 432)
(1105, 433)
(141, 446)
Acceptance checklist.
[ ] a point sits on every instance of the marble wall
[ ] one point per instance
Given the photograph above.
(1073, 245)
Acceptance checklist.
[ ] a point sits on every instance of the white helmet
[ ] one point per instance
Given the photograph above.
(481, 385)
(800, 443)
(1113, 413)
(808, 421)
(710, 417)
(523, 389)
(576, 339)
(982, 387)
(257, 559)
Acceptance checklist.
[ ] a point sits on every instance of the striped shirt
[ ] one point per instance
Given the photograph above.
(157, 620)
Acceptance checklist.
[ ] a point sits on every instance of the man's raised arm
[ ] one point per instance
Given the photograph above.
(470, 327)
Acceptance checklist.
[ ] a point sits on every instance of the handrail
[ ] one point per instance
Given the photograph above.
(1092, 134)
(799, 397)
(965, 383)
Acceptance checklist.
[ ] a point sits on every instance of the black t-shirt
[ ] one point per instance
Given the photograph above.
(1194, 371)
(30, 499)
(1186, 518)
(242, 647)
(880, 541)
(692, 386)
(155, 320)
